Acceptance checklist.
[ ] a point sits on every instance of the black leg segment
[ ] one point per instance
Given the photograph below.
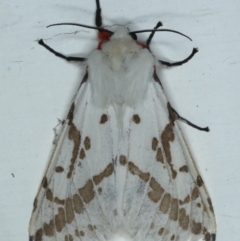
(68, 58)
(194, 51)
(188, 122)
(98, 18)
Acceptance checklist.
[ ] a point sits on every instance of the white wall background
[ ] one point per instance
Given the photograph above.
(37, 87)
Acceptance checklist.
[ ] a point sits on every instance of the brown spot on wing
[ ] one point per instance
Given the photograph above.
(91, 227)
(183, 219)
(196, 227)
(68, 237)
(86, 192)
(207, 236)
(75, 136)
(157, 191)
(87, 143)
(44, 182)
(103, 119)
(159, 156)
(183, 168)
(136, 119)
(165, 203)
(49, 228)
(77, 204)
(167, 136)
(195, 193)
(173, 237)
(82, 233)
(69, 210)
(39, 235)
(199, 181)
(105, 173)
(60, 221)
(82, 154)
(59, 169)
(77, 233)
(49, 195)
(210, 204)
(186, 200)
(213, 235)
(70, 114)
(59, 201)
(174, 209)
(123, 160)
(136, 171)
(160, 232)
(154, 143)
(99, 190)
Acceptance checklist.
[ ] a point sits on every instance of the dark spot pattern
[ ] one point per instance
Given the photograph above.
(136, 119)
(104, 119)
(75, 136)
(105, 173)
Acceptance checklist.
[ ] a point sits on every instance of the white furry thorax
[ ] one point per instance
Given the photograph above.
(117, 71)
(119, 48)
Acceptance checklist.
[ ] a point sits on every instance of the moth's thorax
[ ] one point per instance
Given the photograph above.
(119, 72)
(120, 48)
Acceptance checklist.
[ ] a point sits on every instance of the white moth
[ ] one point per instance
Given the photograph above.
(121, 168)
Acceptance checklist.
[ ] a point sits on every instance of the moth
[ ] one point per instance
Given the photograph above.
(121, 167)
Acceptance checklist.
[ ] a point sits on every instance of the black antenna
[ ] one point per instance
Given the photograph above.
(80, 25)
(160, 30)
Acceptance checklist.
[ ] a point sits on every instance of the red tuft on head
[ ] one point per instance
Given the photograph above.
(143, 45)
(103, 35)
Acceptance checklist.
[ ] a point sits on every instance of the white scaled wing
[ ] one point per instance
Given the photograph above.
(77, 198)
(164, 197)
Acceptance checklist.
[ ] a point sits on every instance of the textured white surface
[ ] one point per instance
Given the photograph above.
(36, 89)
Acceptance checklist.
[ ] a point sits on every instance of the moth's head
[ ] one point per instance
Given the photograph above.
(119, 43)
(120, 32)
